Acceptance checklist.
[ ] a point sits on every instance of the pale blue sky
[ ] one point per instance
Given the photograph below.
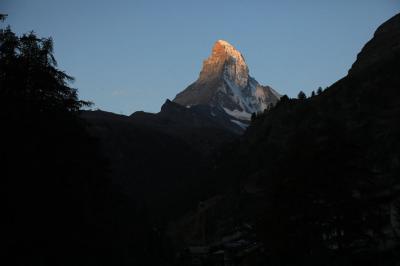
(132, 55)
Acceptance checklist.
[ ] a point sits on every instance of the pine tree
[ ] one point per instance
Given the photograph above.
(302, 96)
(56, 187)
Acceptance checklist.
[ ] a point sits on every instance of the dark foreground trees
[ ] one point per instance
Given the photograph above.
(60, 207)
(325, 203)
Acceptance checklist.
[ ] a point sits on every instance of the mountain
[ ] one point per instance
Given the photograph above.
(174, 118)
(317, 179)
(155, 167)
(162, 160)
(225, 83)
(310, 182)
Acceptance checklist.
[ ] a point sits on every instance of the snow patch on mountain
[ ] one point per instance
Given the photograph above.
(242, 115)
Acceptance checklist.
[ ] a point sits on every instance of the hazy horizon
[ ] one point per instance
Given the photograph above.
(130, 56)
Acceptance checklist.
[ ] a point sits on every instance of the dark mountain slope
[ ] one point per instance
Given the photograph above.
(331, 163)
(160, 160)
(323, 172)
(365, 104)
(193, 124)
(383, 47)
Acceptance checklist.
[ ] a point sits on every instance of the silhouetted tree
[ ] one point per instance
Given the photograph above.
(301, 96)
(312, 93)
(61, 208)
(319, 90)
(284, 99)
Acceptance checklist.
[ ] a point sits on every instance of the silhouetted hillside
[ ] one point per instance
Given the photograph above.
(317, 178)
(156, 168)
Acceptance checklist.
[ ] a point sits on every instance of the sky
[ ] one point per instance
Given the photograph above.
(129, 56)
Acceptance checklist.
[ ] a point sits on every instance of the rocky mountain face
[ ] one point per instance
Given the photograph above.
(225, 83)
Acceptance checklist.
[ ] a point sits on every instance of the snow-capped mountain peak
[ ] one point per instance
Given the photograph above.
(225, 82)
(225, 60)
